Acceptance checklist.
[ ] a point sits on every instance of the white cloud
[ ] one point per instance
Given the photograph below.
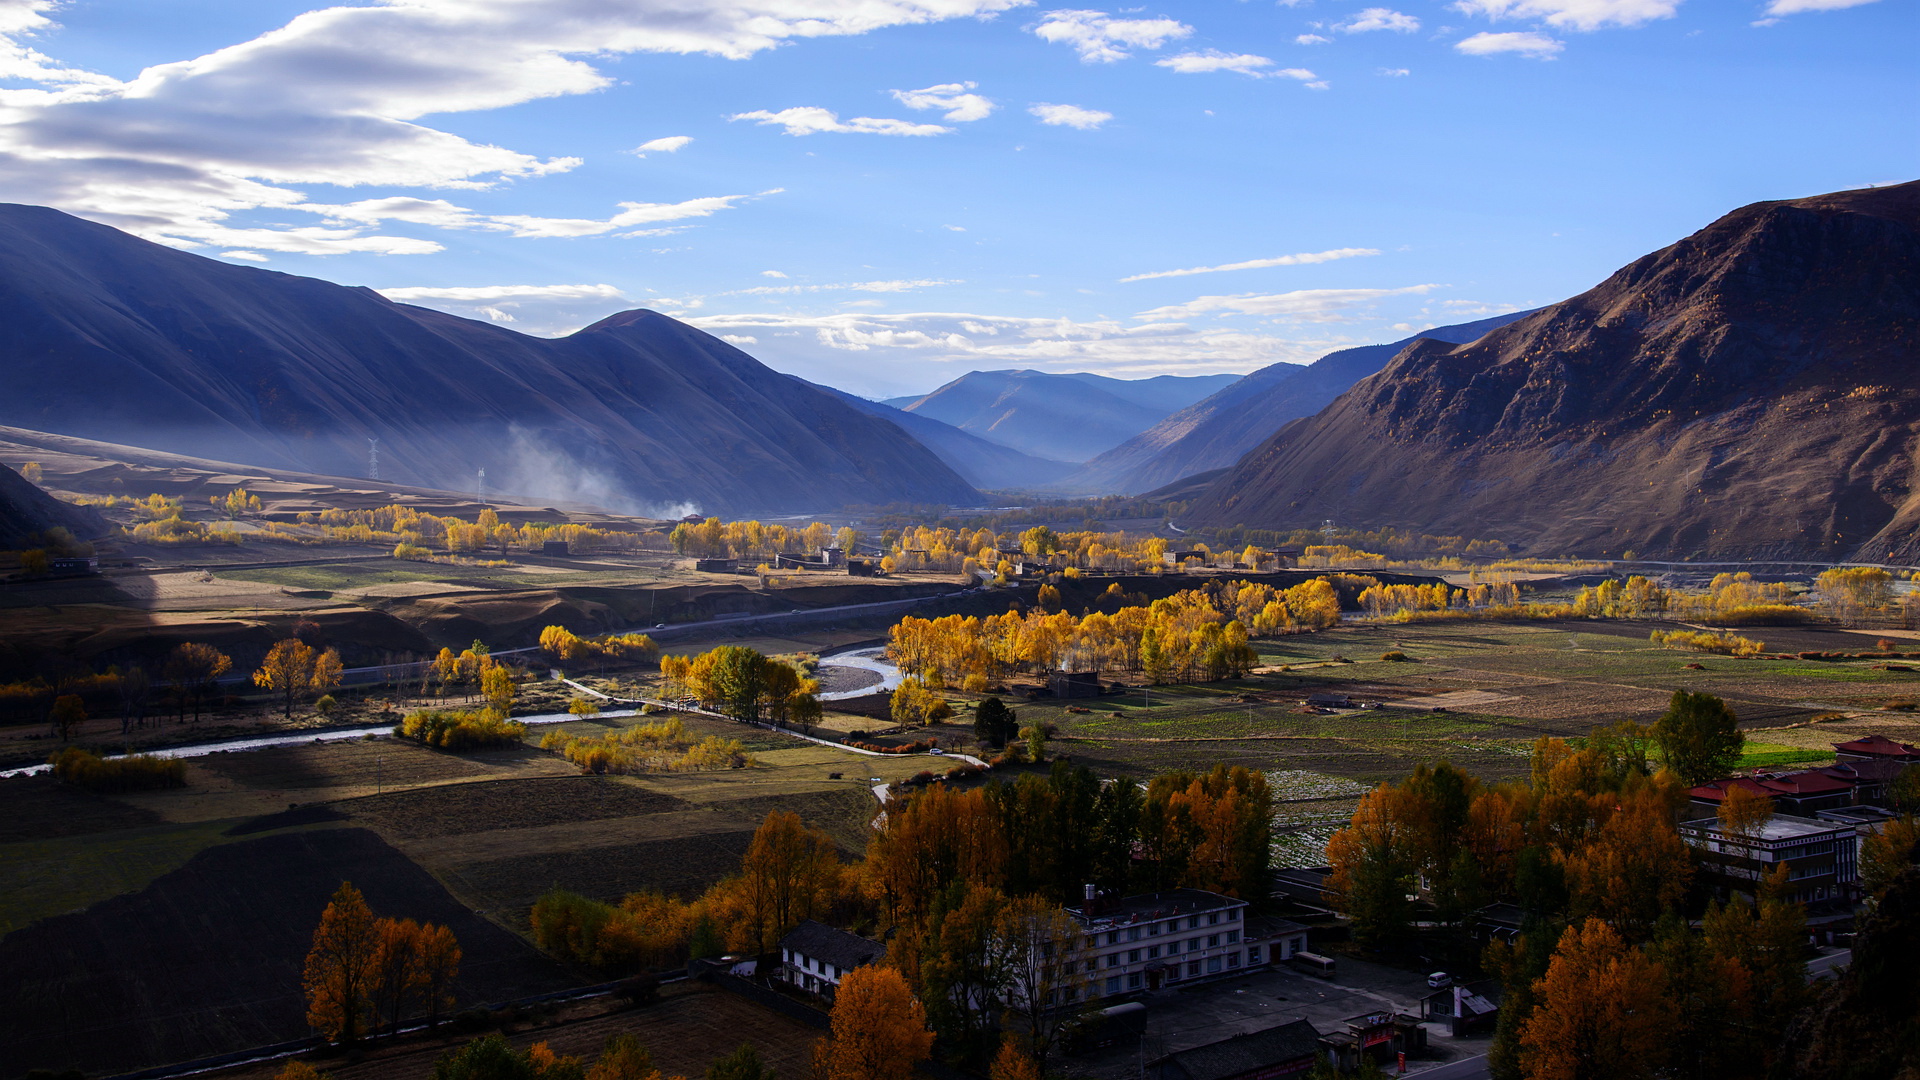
(740, 339)
(954, 228)
(1302, 259)
(1579, 14)
(336, 96)
(900, 285)
(668, 145)
(962, 107)
(812, 120)
(631, 214)
(1195, 63)
(1304, 305)
(1070, 116)
(852, 349)
(1526, 43)
(1102, 39)
(244, 256)
(478, 294)
(540, 310)
(772, 274)
(1395, 73)
(1379, 18)
(1312, 39)
(1795, 7)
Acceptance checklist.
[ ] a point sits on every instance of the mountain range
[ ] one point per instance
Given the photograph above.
(979, 461)
(1068, 417)
(1214, 432)
(115, 338)
(1748, 392)
(26, 510)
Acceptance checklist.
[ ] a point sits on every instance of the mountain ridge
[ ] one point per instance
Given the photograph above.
(126, 341)
(1748, 391)
(1216, 431)
(1058, 417)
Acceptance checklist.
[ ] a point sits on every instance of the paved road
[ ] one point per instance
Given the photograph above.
(1829, 964)
(1473, 1068)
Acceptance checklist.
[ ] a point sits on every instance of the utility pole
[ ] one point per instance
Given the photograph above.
(480, 489)
(373, 459)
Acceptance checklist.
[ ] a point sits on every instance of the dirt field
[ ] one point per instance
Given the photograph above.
(685, 1031)
(207, 958)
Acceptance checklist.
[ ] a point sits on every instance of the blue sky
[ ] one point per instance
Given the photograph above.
(883, 194)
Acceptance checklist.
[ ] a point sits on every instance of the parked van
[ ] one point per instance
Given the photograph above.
(1313, 964)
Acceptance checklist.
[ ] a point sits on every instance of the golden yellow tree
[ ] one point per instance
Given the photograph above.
(879, 1028)
(439, 966)
(790, 873)
(340, 972)
(398, 972)
(1602, 1012)
(287, 671)
(194, 669)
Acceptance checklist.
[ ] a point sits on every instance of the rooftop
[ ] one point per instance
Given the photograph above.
(1779, 827)
(837, 947)
(1244, 1054)
(1146, 907)
(1879, 746)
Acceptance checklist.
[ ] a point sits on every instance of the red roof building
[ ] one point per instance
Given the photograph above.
(1715, 791)
(1877, 748)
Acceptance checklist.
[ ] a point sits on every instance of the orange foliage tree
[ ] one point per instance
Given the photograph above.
(879, 1029)
(1602, 1013)
(340, 973)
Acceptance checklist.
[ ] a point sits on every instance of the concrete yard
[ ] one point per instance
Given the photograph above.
(1207, 1013)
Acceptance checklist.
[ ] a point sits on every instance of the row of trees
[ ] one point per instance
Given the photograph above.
(562, 645)
(717, 539)
(1193, 634)
(363, 971)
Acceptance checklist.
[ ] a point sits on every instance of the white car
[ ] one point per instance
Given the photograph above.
(1439, 980)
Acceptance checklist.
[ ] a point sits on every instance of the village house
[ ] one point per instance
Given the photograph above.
(1822, 857)
(814, 957)
(1178, 937)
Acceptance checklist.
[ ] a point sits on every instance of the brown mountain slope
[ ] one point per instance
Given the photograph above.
(113, 338)
(1750, 391)
(26, 511)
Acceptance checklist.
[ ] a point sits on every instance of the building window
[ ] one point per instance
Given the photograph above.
(1233, 959)
(1233, 937)
(1212, 917)
(1113, 959)
(1253, 954)
(1153, 952)
(1133, 933)
(1213, 963)
(1133, 956)
(1234, 915)
(1133, 981)
(1113, 984)
(1193, 968)
(1213, 940)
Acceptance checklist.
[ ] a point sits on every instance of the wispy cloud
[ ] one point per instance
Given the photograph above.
(897, 286)
(1304, 305)
(1379, 18)
(812, 120)
(1525, 42)
(1070, 116)
(487, 294)
(668, 145)
(1580, 14)
(1305, 258)
(960, 104)
(1796, 7)
(1208, 60)
(1312, 39)
(1100, 38)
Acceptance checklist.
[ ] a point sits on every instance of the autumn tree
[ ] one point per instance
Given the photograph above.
(914, 703)
(1634, 867)
(341, 973)
(496, 685)
(1743, 812)
(738, 677)
(194, 669)
(1013, 1063)
(1699, 737)
(1042, 947)
(1886, 854)
(439, 965)
(398, 972)
(1601, 1012)
(293, 667)
(790, 874)
(69, 712)
(960, 966)
(879, 1028)
(32, 472)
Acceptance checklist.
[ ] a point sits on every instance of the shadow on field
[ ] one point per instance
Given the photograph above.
(207, 959)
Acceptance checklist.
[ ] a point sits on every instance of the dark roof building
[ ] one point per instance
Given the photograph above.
(1287, 1050)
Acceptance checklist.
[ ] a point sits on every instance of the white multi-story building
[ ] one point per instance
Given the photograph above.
(1152, 940)
(814, 957)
